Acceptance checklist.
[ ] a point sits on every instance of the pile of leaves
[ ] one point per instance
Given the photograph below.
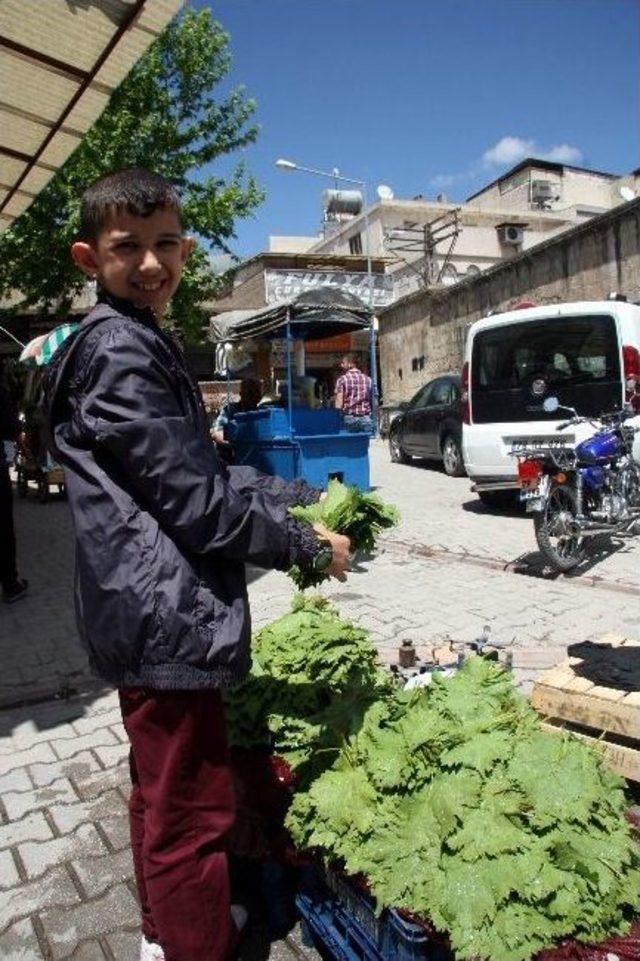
(345, 510)
(455, 806)
(313, 677)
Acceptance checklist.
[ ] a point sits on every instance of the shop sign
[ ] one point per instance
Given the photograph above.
(341, 344)
(284, 285)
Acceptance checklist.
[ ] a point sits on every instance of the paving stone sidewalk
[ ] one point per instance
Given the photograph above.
(65, 868)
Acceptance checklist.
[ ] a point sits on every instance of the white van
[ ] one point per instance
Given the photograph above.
(587, 354)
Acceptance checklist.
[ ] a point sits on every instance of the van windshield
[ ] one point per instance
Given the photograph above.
(514, 367)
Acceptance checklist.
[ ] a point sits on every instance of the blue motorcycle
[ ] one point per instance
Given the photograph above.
(575, 491)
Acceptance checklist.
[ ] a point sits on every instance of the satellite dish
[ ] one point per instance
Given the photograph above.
(384, 192)
(627, 193)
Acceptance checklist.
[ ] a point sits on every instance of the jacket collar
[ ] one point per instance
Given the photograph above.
(126, 307)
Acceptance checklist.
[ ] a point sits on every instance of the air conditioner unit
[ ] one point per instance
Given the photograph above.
(511, 235)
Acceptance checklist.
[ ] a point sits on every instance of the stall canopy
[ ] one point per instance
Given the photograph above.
(317, 313)
(60, 61)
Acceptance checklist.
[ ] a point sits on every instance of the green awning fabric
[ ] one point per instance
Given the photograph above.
(41, 349)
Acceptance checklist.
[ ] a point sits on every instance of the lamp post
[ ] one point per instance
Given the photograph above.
(9, 334)
(335, 174)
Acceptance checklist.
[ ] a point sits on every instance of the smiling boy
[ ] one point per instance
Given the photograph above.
(137, 258)
(163, 532)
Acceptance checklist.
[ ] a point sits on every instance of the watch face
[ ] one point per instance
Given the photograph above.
(323, 559)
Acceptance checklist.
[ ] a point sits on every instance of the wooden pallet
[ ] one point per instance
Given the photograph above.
(605, 717)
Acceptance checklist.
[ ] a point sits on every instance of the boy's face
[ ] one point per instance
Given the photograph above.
(138, 258)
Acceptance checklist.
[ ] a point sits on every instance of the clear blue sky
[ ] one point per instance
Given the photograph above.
(427, 95)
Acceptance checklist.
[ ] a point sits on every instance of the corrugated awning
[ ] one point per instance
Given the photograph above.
(314, 314)
(60, 61)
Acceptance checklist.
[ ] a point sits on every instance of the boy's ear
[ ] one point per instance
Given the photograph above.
(188, 246)
(84, 257)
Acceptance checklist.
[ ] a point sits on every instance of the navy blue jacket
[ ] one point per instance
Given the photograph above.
(163, 529)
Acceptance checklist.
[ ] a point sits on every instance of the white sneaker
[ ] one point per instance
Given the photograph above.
(150, 951)
(239, 915)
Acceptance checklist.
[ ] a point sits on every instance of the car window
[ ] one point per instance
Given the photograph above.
(422, 398)
(441, 393)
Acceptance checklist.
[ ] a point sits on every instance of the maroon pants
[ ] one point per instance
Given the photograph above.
(181, 809)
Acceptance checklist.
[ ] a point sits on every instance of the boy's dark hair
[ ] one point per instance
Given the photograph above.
(135, 190)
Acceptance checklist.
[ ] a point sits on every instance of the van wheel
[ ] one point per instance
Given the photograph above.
(452, 457)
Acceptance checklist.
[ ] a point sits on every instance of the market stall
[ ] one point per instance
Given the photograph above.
(295, 437)
(440, 822)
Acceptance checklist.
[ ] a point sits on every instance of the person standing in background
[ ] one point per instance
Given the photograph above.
(250, 394)
(353, 396)
(13, 587)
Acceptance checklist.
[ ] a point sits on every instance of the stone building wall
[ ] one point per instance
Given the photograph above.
(423, 334)
(248, 295)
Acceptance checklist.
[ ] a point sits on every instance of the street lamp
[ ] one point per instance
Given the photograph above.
(9, 334)
(283, 164)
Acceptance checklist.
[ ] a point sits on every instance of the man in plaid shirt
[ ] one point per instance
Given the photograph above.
(353, 396)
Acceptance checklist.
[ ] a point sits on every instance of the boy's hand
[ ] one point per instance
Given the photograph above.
(340, 545)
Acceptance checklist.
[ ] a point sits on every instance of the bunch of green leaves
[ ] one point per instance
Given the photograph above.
(457, 807)
(345, 510)
(312, 680)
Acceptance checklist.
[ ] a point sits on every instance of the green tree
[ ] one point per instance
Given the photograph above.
(165, 116)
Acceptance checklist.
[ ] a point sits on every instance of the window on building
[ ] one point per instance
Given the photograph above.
(355, 244)
(399, 373)
(421, 362)
(414, 363)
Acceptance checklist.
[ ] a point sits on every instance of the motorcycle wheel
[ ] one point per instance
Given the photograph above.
(555, 531)
(633, 488)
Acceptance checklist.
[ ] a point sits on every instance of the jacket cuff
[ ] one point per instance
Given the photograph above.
(301, 494)
(304, 544)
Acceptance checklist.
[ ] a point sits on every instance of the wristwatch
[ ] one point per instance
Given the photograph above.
(323, 558)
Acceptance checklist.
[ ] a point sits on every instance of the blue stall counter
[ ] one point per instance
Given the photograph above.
(316, 449)
(268, 423)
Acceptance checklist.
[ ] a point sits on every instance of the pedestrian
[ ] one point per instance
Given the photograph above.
(353, 396)
(250, 395)
(13, 586)
(163, 532)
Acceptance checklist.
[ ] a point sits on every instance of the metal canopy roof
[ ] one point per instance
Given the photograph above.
(314, 314)
(60, 61)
